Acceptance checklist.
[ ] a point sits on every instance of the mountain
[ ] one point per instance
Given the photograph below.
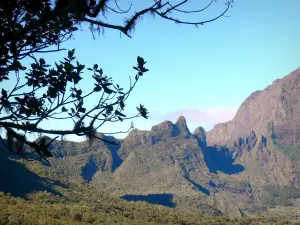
(271, 116)
(170, 164)
(274, 110)
(249, 166)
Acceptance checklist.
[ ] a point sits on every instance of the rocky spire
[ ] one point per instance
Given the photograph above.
(182, 126)
(200, 134)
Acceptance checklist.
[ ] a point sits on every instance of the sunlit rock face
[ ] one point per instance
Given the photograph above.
(279, 104)
(182, 126)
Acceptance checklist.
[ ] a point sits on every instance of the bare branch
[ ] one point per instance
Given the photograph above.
(192, 11)
(119, 11)
(194, 23)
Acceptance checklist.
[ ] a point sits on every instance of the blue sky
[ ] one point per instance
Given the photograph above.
(204, 73)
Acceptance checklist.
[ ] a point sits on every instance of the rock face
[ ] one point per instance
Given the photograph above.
(182, 126)
(159, 132)
(278, 104)
(200, 133)
(258, 153)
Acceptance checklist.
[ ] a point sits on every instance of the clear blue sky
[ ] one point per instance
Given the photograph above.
(197, 71)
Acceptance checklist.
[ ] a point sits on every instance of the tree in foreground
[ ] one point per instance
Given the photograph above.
(38, 92)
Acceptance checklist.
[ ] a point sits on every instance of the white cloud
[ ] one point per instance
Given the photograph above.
(200, 117)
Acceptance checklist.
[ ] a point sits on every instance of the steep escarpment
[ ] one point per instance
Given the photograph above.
(278, 104)
(264, 135)
(262, 160)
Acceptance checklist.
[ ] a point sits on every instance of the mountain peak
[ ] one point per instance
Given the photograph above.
(200, 133)
(181, 118)
(164, 129)
(182, 126)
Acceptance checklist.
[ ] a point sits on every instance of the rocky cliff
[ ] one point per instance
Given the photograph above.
(272, 111)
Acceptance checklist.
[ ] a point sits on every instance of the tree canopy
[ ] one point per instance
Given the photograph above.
(38, 91)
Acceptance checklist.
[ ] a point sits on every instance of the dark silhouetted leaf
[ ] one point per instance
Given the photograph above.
(119, 113)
